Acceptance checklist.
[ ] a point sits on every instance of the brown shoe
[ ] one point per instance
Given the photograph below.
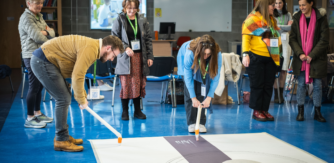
(72, 140)
(67, 146)
(75, 141)
(268, 115)
(259, 116)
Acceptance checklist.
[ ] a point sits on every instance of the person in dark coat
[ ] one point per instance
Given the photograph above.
(309, 39)
(134, 31)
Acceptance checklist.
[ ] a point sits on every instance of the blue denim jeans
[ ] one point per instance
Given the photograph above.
(301, 90)
(52, 80)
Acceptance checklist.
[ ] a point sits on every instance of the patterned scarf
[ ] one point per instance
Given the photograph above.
(253, 26)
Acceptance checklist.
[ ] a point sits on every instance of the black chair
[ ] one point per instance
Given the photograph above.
(6, 71)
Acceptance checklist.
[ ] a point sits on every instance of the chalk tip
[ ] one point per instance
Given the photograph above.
(120, 140)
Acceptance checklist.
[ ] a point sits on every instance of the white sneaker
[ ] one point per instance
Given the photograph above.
(202, 128)
(101, 97)
(105, 87)
(191, 128)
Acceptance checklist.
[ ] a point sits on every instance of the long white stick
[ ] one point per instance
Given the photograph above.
(198, 119)
(105, 123)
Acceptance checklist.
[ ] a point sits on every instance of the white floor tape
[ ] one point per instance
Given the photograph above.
(241, 148)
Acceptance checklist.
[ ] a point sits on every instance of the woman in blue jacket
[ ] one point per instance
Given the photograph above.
(199, 61)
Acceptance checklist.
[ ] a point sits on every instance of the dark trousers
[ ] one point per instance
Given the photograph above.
(261, 73)
(34, 95)
(190, 110)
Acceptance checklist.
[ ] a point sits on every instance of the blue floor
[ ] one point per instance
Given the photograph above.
(19, 144)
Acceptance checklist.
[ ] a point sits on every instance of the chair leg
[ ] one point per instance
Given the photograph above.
(11, 84)
(174, 94)
(238, 94)
(279, 93)
(241, 91)
(289, 83)
(171, 92)
(293, 88)
(23, 82)
(44, 95)
(90, 86)
(162, 90)
(166, 92)
(113, 93)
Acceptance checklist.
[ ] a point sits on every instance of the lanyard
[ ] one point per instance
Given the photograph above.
(274, 32)
(280, 20)
(134, 30)
(206, 70)
(94, 73)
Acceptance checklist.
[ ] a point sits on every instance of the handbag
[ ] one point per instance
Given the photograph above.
(123, 64)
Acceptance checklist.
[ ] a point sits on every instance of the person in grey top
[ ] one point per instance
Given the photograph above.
(284, 21)
(133, 65)
(33, 33)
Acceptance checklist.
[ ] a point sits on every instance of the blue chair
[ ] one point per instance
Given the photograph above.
(101, 68)
(162, 71)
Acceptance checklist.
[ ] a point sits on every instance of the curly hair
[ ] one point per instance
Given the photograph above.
(114, 41)
(198, 46)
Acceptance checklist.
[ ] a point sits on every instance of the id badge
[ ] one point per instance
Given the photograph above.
(283, 36)
(203, 90)
(135, 44)
(274, 42)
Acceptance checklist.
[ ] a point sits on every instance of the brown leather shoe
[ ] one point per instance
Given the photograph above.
(72, 140)
(259, 116)
(76, 141)
(67, 146)
(268, 115)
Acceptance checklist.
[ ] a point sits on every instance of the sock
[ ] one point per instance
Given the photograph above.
(29, 119)
(38, 114)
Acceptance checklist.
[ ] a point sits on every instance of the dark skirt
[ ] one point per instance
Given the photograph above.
(133, 85)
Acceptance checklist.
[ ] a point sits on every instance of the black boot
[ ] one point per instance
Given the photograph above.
(300, 116)
(281, 90)
(317, 115)
(125, 106)
(138, 113)
(276, 96)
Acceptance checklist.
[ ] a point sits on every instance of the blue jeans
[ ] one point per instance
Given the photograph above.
(301, 90)
(52, 80)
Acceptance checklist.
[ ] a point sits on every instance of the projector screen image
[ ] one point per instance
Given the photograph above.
(104, 12)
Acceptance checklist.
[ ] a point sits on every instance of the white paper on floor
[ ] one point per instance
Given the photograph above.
(255, 147)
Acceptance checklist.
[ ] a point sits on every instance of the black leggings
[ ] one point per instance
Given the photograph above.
(34, 95)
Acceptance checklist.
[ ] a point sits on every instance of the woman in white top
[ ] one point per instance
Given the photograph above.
(284, 21)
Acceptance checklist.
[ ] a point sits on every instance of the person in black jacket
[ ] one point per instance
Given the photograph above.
(309, 25)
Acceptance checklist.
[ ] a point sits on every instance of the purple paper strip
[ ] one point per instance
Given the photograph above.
(197, 151)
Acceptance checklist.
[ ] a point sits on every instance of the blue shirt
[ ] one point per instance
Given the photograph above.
(185, 59)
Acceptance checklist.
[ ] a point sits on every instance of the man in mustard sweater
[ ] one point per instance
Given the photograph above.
(70, 57)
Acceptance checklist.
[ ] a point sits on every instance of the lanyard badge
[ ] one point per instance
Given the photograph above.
(135, 44)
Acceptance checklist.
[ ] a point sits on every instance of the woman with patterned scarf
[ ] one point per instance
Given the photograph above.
(309, 40)
(261, 44)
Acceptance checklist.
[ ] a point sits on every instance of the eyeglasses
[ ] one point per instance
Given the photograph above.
(272, 5)
(114, 55)
(206, 44)
(37, 3)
